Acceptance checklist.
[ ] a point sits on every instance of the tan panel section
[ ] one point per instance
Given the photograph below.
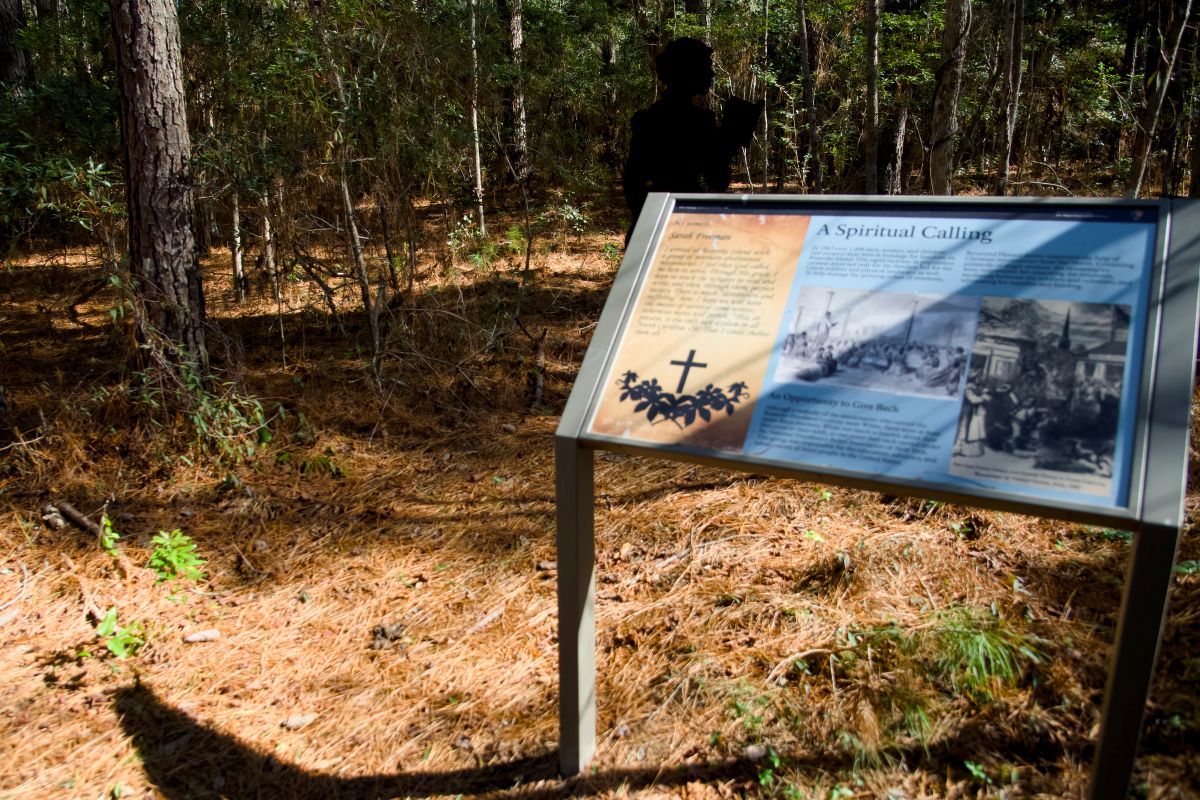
(707, 318)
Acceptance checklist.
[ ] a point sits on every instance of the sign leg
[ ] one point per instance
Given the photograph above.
(574, 468)
(1131, 665)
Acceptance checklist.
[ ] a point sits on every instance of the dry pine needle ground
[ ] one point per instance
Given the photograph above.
(381, 574)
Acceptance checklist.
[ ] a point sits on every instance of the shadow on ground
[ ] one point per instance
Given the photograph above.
(184, 759)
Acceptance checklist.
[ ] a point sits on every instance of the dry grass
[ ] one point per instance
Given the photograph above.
(737, 615)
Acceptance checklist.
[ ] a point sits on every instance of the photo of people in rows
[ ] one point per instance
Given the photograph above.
(883, 341)
(1044, 389)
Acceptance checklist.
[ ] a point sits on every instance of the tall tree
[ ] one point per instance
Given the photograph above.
(813, 149)
(518, 145)
(1172, 19)
(472, 12)
(162, 250)
(945, 98)
(871, 124)
(1010, 88)
(14, 60)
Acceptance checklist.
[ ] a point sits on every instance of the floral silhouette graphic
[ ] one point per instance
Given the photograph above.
(680, 409)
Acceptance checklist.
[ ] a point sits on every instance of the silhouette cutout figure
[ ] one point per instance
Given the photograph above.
(677, 146)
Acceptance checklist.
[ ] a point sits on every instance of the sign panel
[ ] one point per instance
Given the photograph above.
(977, 348)
(1034, 355)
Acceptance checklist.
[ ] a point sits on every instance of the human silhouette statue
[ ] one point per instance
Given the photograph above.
(676, 145)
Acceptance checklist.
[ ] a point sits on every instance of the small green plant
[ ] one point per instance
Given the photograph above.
(121, 640)
(766, 773)
(1188, 567)
(792, 792)
(174, 557)
(108, 536)
(484, 255)
(323, 464)
(611, 252)
(978, 773)
(227, 423)
(980, 654)
(514, 240)
(749, 707)
(574, 217)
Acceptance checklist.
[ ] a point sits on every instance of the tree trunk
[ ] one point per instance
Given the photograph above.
(945, 99)
(1010, 89)
(235, 248)
(268, 272)
(472, 13)
(896, 184)
(14, 61)
(810, 103)
(766, 142)
(871, 124)
(162, 251)
(518, 147)
(1194, 159)
(1171, 31)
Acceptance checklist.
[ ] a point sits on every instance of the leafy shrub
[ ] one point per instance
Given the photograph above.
(175, 558)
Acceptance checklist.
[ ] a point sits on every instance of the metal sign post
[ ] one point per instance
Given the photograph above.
(764, 307)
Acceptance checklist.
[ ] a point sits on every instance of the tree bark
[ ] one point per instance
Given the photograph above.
(1171, 31)
(268, 272)
(1194, 157)
(810, 103)
(472, 14)
(871, 124)
(1010, 90)
(896, 184)
(158, 186)
(518, 148)
(945, 99)
(235, 248)
(766, 120)
(14, 61)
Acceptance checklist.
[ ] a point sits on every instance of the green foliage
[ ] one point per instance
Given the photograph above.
(227, 423)
(108, 536)
(175, 558)
(120, 640)
(979, 655)
(323, 464)
(514, 240)
(36, 189)
(573, 217)
(978, 773)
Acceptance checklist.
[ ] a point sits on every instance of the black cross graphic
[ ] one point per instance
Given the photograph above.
(687, 365)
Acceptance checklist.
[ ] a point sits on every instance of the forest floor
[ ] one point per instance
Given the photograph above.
(381, 574)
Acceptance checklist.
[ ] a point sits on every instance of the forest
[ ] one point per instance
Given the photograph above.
(293, 536)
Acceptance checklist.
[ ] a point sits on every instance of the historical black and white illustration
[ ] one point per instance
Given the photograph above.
(892, 342)
(1043, 393)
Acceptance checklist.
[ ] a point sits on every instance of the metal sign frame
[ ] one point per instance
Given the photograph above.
(1154, 511)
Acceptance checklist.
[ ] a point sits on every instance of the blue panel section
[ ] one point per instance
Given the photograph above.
(989, 351)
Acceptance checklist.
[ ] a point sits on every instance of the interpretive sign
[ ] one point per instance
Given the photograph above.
(1027, 355)
(980, 350)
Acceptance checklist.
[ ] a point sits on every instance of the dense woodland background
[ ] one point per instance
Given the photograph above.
(478, 107)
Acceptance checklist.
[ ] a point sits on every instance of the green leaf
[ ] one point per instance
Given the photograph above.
(108, 624)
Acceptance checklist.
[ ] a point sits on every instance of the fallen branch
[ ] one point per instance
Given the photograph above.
(78, 518)
(81, 520)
